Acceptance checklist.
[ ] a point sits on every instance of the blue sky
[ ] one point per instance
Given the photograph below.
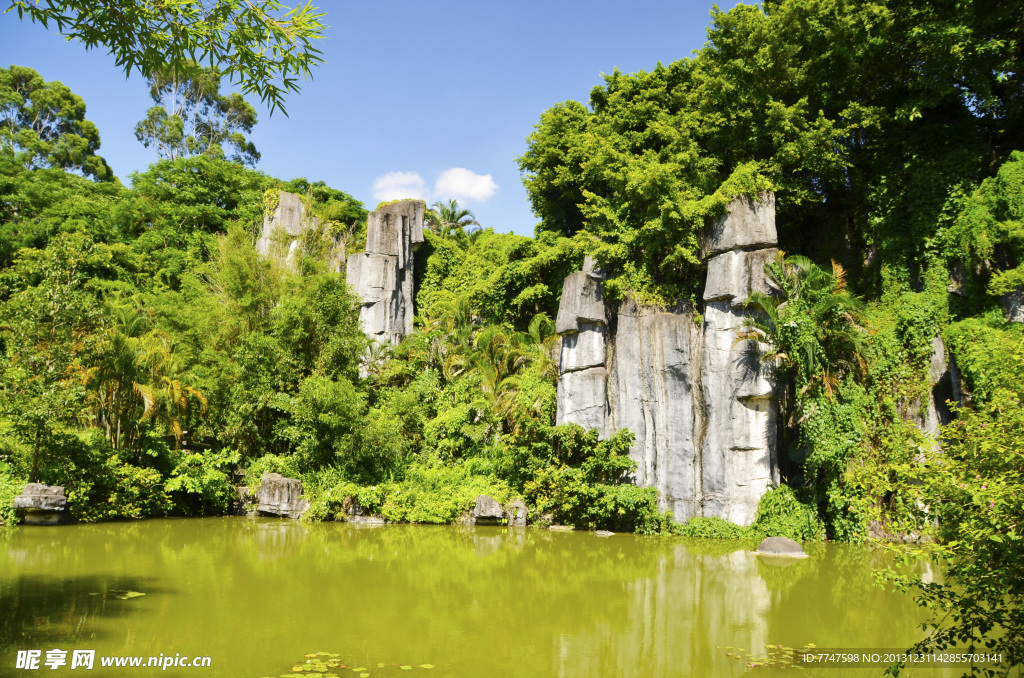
(415, 99)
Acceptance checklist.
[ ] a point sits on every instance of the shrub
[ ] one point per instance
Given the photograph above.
(781, 514)
(201, 485)
(10, 487)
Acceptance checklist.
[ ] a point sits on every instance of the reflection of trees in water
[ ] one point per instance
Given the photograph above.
(832, 600)
(45, 611)
(483, 601)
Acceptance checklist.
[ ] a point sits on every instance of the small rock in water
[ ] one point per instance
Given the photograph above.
(780, 546)
(604, 533)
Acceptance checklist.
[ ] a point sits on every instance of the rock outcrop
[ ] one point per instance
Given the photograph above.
(280, 496)
(286, 228)
(583, 325)
(738, 456)
(1013, 305)
(487, 511)
(943, 386)
(40, 504)
(383, 275)
(780, 546)
(655, 373)
(697, 398)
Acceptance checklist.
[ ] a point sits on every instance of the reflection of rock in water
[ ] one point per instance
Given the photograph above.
(278, 538)
(728, 604)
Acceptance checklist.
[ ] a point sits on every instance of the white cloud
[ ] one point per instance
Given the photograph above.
(397, 185)
(461, 183)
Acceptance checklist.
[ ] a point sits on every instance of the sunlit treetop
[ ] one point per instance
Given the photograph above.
(263, 46)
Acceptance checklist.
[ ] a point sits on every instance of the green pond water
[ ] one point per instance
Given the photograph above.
(257, 594)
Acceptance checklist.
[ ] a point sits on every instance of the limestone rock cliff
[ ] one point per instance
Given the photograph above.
(286, 228)
(383, 275)
(583, 325)
(697, 399)
(738, 458)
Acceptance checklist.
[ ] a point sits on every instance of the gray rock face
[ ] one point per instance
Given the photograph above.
(699, 401)
(748, 223)
(487, 510)
(654, 372)
(583, 326)
(284, 230)
(943, 386)
(732, 276)
(738, 454)
(780, 546)
(280, 496)
(1013, 306)
(584, 348)
(41, 504)
(583, 398)
(584, 302)
(383, 275)
(517, 513)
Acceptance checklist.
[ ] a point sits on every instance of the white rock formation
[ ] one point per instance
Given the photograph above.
(738, 457)
(583, 326)
(383, 275)
(655, 365)
(698, 400)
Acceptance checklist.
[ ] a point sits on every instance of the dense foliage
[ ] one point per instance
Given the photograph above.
(42, 124)
(263, 46)
(149, 356)
(192, 117)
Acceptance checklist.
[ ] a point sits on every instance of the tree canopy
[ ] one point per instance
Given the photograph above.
(263, 46)
(42, 124)
(862, 115)
(193, 118)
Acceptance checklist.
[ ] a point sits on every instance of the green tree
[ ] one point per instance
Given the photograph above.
(780, 92)
(263, 46)
(42, 124)
(193, 118)
(47, 316)
(809, 327)
(971, 501)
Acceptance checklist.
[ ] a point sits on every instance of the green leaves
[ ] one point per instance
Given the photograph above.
(42, 124)
(193, 118)
(263, 46)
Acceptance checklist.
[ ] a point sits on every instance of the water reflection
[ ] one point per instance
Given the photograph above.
(256, 594)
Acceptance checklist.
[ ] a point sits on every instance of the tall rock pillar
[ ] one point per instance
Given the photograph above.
(582, 324)
(653, 385)
(738, 455)
(697, 400)
(383, 275)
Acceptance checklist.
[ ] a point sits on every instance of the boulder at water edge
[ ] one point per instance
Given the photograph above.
(280, 496)
(780, 546)
(487, 511)
(41, 504)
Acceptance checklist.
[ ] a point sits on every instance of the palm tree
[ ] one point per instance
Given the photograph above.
(449, 220)
(810, 329)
